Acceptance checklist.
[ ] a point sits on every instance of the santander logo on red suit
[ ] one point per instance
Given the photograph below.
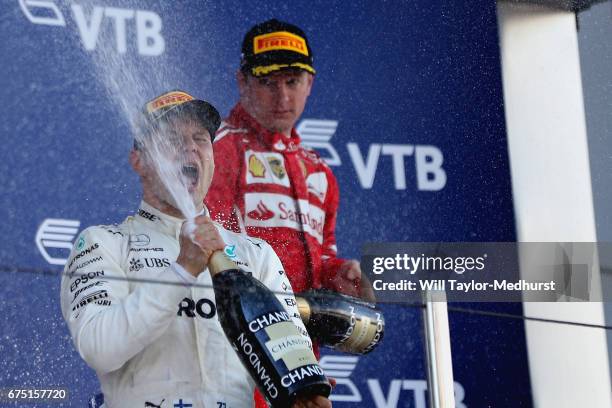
(261, 212)
(277, 210)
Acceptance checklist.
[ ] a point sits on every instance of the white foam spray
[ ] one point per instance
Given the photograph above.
(131, 80)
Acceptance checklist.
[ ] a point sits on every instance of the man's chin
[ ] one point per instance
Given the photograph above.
(281, 126)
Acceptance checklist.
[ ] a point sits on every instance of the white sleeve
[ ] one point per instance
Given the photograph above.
(272, 274)
(108, 324)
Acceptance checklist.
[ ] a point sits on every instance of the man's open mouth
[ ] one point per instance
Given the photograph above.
(191, 174)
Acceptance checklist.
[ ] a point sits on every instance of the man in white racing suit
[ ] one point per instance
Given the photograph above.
(138, 297)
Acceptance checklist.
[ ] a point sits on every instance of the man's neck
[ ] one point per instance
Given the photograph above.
(166, 207)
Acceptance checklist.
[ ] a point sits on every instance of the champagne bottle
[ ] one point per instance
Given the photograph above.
(268, 343)
(341, 322)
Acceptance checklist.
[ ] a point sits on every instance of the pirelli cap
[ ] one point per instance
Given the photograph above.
(275, 45)
(177, 102)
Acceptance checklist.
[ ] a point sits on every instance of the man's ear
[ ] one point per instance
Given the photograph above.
(137, 161)
(241, 79)
(310, 82)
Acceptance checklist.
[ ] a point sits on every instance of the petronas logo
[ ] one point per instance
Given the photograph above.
(230, 251)
(81, 243)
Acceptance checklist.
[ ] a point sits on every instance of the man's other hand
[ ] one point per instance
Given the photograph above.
(314, 401)
(350, 281)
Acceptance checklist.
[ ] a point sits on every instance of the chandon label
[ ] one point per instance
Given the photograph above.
(285, 345)
(266, 320)
(84, 278)
(376, 339)
(350, 329)
(253, 358)
(301, 373)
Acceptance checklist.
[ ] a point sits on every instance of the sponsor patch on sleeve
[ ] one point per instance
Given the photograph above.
(317, 185)
(267, 168)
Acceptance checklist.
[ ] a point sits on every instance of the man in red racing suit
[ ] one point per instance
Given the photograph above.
(280, 192)
(269, 185)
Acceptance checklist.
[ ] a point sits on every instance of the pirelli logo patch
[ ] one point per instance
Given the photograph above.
(280, 40)
(169, 99)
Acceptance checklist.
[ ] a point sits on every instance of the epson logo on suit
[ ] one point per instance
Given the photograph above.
(84, 278)
(428, 159)
(91, 21)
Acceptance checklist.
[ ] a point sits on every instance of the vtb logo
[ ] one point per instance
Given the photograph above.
(317, 133)
(427, 160)
(341, 368)
(147, 24)
(54, 239)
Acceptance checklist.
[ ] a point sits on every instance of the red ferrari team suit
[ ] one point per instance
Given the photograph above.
(276, 189)
(271, 187)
